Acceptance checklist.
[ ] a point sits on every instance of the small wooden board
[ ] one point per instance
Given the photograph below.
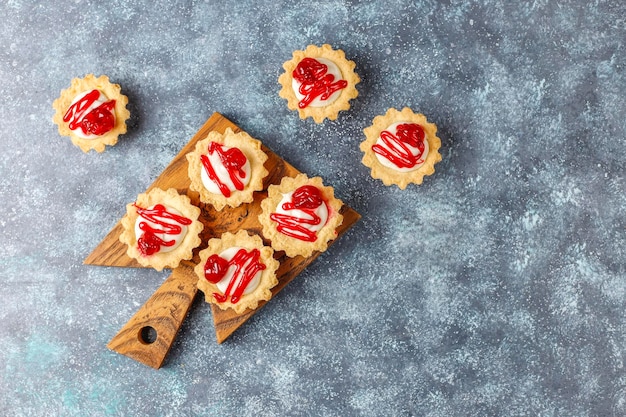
(149, 334)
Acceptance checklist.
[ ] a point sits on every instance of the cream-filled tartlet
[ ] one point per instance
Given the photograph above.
(300, 215)
(226, 169)
(401, 147)
(237, 271)
(161, 228)
(319, 82)
(92, 112)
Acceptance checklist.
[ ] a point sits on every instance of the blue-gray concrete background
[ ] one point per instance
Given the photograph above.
(497, 288)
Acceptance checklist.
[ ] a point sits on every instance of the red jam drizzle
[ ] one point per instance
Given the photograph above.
(97, 122)
(149, 243)
(396, 149)
(307, 199)
(315, 81)
(233, 160)
(247, 265)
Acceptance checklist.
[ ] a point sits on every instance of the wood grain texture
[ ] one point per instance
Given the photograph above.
(164, 312)
(158, 309)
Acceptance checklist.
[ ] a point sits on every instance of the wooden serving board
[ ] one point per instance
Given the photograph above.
(150, 333)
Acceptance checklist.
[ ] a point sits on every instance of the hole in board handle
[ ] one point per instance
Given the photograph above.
(148, 335)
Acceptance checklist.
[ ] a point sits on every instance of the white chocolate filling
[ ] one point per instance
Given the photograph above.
(222, 285)
(222, 173)
(318, 102)
(414, 151)
(178, 238)
(101, 100)
(321, 212)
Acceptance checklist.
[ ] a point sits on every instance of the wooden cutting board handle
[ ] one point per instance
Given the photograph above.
(150, 333)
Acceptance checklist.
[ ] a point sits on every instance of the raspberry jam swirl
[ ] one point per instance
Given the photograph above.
(301, 214)
(235, 271)
(316, 81)
(226, 169)
(154, 225)
(90, 115)
(403, 147)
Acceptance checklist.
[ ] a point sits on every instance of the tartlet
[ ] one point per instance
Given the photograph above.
(92, 112)
(401, 147)
(300, 215)
(226, 169)
(237, 271)
(161, 228)
(319, 82)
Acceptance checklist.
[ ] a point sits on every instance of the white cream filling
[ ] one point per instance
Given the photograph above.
(222, 174)
(321, 212)
(222, 285)
(178, 238)
(318, 102)
(101, 100)
(414, 151)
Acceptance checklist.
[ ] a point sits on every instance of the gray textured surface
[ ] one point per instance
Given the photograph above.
(496, 288)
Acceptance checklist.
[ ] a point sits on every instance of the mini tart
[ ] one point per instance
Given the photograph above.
(392, 174)
(110, 91)
(338, 101)
(279, 195)
(173, 202)
(249, 146)
(266, 279)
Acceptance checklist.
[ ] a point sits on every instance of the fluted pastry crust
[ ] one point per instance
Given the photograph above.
(388, 175)
(112, 92)
(330, 111)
